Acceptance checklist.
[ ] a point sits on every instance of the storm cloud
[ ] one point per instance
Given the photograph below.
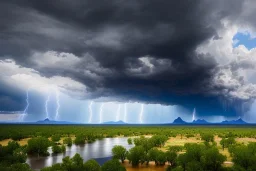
(141, 51)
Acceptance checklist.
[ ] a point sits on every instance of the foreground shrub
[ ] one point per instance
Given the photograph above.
(38, 146)
(92, 165)
(112, 165)
(135, 155)
(119, 152)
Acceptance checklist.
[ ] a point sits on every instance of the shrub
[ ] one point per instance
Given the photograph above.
(112, 165)
(80, 139)
(68, 141)
(55, 138)
(92, 165)
(129, 140)
(38, 146)
(58, 149)
(119, 152)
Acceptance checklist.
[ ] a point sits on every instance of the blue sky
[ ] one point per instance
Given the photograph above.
(244, 38)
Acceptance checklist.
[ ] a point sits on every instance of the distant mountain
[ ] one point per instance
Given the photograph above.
(114, 123)
(200, 121)
(179, 121)
(238, 122)
(48, 121)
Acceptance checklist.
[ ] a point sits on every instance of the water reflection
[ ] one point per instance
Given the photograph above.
(98, 149)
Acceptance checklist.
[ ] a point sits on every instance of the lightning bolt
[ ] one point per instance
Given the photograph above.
(194, 114)
(46, 106)
(57, 96)
(101, 110)
(90, 110)
(118, 113)
(141, 112)
(26, 108)
(125, 112)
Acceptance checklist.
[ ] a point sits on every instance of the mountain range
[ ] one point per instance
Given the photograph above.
(114, 122)
(177, 121)
(239, 121)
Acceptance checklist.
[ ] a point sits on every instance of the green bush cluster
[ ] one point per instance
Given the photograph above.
(29, 131)
(13, 157)
(76, 164)
(58, 149)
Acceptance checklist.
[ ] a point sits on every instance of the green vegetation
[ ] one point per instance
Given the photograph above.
(244, 157)
(13, 157)
(129, 140)
(29, 131)
(76, 164)
(58, 149)
(119, 152)
(92, 165)
(56, 138)
(207, 137)
(207, 153)
(227, 142)
(38, 146)
(112, 165)
(68, 141)
(80, 139)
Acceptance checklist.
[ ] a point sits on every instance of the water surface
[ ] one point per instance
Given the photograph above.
(98, 149)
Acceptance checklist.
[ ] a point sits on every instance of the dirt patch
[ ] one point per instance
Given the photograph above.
(144, 167)
(245, 140)
(181, 141)
(21, 142)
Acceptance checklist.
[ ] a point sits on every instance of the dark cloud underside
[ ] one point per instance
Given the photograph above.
(147, 47)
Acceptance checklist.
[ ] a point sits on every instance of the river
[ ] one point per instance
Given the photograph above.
(99, 150)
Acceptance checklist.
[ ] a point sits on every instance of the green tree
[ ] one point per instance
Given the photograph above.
(20, 167)
(68, 141)
(129, 140)
(153, 153)
(161, 158)
(119, 152)
(244, 157)
(135, 155)
(212, 159)
(17, 136)
(19, 155)
(80, 139)
(73, 164)
(159, 140)
(38, 146)
(67, 163)
(207, 137)
(183, 160)
(112, 165)
(77, 160)
(171, 157)
(55, 167)
(55, 138)
(12, 145)
(58, 149)
(175, 148)
(92, 165)
(194, 166)
(226, 142)
(194, 151)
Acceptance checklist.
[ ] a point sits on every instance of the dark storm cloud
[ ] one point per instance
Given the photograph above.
(147, 47)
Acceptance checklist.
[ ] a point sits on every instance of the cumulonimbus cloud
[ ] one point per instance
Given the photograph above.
(150, 51)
